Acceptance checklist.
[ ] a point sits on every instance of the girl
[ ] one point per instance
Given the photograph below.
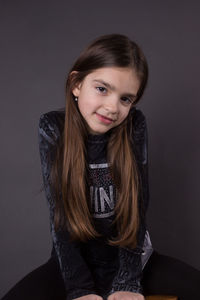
(94, 162)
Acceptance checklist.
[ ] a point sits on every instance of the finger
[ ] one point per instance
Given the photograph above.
(111, 297)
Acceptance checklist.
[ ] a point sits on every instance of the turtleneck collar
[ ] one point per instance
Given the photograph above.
(99, 138)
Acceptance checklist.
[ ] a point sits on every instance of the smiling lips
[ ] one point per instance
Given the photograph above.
(104, 119)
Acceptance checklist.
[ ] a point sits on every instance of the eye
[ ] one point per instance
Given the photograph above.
(99, 88)
(129, 100)
(126, 100)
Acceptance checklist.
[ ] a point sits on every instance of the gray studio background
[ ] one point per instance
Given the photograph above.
(39, 41)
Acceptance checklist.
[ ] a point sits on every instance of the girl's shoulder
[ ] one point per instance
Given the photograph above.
(139, 123)
(139, 118)
(51, 124)
(140, 135)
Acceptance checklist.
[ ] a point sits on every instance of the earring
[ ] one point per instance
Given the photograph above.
(76, 98)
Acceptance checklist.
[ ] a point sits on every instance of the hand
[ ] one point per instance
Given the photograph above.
(125, 296)
(89, 297)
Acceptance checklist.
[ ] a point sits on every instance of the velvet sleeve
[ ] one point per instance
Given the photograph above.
(132, 261)
(75, 272)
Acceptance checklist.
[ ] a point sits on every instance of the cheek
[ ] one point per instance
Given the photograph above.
(87, 98)
(124, 114)
(85, 106)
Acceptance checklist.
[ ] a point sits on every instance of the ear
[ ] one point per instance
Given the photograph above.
(76, 89)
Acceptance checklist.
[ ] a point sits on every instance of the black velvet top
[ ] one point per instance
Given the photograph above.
(96, 267)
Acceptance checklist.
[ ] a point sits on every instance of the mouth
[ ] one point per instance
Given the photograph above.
(107, 118)
(104, 119)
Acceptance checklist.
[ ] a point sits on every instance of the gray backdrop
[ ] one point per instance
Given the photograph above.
(39, 41)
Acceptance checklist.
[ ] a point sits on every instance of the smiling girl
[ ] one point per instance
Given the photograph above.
(94, 159)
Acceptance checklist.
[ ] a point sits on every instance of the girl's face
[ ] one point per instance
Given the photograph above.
(105, 97)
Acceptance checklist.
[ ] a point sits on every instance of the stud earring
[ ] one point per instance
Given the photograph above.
(76, 98)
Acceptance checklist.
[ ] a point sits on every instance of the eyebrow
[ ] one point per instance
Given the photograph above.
(112, 87)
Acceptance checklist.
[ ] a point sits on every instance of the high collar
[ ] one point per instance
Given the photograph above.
(98, 138)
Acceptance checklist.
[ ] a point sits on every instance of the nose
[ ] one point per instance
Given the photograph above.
(111, 105)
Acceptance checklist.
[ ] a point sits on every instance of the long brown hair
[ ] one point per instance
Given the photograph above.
(69, 171)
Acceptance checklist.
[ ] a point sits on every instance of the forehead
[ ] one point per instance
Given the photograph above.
(122, 79)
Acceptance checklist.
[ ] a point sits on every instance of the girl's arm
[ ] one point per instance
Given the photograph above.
(132, 262)
(76, 275)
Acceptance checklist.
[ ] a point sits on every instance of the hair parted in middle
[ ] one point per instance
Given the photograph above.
(70, 170)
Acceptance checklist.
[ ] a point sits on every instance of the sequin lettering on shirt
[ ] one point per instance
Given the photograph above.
(102, 191)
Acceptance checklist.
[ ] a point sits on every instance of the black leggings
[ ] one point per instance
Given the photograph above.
(161, 275)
